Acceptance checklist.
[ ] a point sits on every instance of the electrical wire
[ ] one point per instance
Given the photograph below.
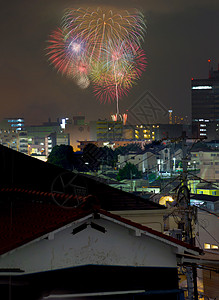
(195, 176)
(208, 233)
(208, 211)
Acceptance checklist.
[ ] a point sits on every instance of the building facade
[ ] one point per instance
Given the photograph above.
(205, 106)
(207, 162)
(38, 133)
(55, 139)
(145, 161)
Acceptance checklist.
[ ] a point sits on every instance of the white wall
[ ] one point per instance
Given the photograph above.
(118, 246)
(207, 229)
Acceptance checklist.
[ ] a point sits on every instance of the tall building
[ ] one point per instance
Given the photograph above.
(170, 111)
(15, 123)
(37, 134)
(13, 134)
(109, 130)
(78, 130)
(205, 106)
(56, 139)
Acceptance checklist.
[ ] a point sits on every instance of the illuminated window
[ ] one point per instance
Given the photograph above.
(202, 87)
(214, 247)
(207, 246)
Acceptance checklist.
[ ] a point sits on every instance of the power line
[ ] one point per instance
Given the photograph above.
(213, 184)
(208, 211)
(208, 233)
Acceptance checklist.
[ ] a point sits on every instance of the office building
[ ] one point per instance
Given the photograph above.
(109, 130)
(13, 134)
(16, 124)
(22, 141)
(205, 106)
(38, 133)
(56, 139)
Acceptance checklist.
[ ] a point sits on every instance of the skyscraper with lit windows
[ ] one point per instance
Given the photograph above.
(205, 106)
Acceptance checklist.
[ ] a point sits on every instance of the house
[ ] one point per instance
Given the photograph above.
(49, 252)
(59, 240)
(144, 160)
(159, 158)
(207, 161)
(209, 202)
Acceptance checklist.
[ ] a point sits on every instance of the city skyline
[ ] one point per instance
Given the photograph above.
(179, 41)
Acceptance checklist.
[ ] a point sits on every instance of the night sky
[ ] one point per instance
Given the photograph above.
(181, 37)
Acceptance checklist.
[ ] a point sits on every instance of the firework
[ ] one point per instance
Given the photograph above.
(101, 47)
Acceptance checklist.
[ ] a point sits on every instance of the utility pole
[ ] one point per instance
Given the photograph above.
(187, 215)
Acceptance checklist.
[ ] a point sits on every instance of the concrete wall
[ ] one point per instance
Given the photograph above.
(118, 246)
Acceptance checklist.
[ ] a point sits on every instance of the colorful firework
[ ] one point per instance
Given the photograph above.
(101, 47)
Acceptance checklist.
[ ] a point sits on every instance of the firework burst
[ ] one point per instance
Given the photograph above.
(100, 46)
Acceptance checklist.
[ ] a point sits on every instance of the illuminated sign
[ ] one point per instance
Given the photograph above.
(202, 87)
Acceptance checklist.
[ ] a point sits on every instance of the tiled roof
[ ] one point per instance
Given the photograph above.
(23, 222)
(203, 197)
(150, 230)
(24, 173)
(24, 181)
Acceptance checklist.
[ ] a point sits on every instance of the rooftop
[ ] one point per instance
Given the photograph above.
(22, 222)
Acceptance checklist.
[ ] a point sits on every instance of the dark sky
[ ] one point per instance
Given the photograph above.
(181, 37)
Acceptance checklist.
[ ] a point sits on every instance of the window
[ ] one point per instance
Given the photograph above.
(214, 193)
(210, 246)
(207, 246)
(214, 247)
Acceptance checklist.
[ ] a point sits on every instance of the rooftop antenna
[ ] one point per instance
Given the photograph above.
(209, 68)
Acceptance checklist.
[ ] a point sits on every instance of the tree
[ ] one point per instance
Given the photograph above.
(129, 171)
(109, 158)
(92, 156)
(62, 156)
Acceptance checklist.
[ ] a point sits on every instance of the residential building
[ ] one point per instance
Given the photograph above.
(109, 130)
(38, 133)
(145, 132)
(8, 138)
(145, 161)
(51, 244)
(111, 144)
(13, 134)
(159, 159)
(156, 132)
(206, 202)
(168, 158)
(14, 139)
(56, 139)
(16, 124)
(22, 141)
(207, 161)
(82, 251)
